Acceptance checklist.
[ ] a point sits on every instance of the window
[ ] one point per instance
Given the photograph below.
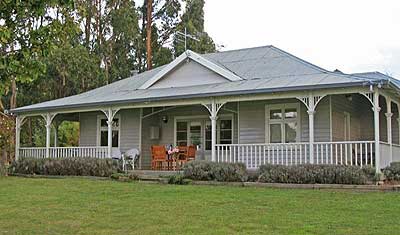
(224, 132)
(181, 133)
(224, 128)
(197, 131)
(208, 136)
(189, 133)
(282, 123)
(102, 139)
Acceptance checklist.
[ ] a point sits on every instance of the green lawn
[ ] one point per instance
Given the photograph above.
(82, 206)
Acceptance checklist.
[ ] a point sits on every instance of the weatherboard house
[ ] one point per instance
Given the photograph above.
(257, 105)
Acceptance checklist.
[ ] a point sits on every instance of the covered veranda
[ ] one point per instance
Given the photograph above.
(377, 150)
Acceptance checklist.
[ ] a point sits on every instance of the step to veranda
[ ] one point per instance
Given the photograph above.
(159, 174)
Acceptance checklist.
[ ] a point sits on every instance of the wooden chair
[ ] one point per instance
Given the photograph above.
(191, 153)
(158, 157)
(182, 157)
(183, 151)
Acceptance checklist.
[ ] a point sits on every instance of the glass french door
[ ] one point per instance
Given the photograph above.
(195, 134)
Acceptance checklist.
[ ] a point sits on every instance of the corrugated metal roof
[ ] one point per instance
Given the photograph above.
(264, 69)
(378, 76)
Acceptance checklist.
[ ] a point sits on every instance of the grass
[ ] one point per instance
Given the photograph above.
(84, 206)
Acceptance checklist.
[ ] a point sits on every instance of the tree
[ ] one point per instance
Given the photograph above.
(70, 71)
(55, 48)
(122, 30)
(193, 21)
(149, 20)
(18, 46)
(159, 21)
(7, 130)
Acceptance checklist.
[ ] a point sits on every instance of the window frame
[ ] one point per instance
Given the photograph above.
(203, 119)
(223, 118)
(100, 129)
(282, 121)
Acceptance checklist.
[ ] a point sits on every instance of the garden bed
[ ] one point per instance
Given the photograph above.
(213, 173)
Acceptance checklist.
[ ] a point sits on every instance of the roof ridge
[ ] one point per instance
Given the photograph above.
(374, 72)
(309, 64)
(240, 49)
(322, 70)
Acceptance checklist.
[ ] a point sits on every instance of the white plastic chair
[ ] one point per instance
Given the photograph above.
(116, 153)
(131, 157)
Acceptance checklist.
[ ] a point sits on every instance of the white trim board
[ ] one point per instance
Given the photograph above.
(196, 57)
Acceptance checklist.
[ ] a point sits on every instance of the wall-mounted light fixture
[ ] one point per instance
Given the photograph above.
(164, 118)
(349, 97)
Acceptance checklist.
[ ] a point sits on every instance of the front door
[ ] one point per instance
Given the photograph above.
(190, 132)
(197, 132)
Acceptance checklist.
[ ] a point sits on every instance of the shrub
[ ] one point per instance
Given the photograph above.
(178, 179)
(65, 166)
(206, 170)
(316, 174)
(392, 172)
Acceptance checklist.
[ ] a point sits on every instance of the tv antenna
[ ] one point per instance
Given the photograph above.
(185, 37)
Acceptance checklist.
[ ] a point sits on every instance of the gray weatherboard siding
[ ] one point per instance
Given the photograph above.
(130, 131)
(251, 123)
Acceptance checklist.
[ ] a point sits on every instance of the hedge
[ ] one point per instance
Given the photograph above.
(215, 171)
(65, 166)
(392, 172)
(316, 174)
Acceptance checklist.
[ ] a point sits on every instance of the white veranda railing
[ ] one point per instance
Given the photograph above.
(65, 152)
(357, 153)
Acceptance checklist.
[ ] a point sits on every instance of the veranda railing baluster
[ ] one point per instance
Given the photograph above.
(264, 154)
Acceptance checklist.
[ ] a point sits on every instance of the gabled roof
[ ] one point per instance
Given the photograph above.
(252, 70)
(199, 59)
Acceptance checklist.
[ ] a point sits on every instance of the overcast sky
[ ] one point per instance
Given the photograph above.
(350, 35)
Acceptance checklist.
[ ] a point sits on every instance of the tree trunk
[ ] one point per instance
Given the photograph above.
(13, 98)
(88, 21)
(148, 33)
(1, 106)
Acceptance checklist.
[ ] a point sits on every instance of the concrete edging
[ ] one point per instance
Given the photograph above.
(302, 186)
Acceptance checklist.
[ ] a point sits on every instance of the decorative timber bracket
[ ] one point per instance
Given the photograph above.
(213, 107)
(48, 118)
(311, 101)
(110, 114)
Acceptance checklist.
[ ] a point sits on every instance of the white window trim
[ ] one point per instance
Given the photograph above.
(269, 107)
(98, 136)
(203, 119)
